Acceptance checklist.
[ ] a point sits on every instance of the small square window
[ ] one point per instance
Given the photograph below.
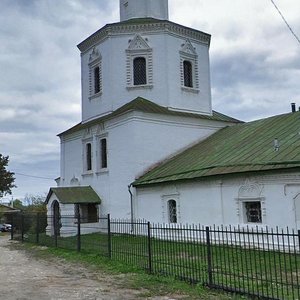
(253, 212)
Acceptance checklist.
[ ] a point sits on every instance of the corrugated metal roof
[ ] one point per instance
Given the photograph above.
(144, 105)
(75, 195)
(247, 147)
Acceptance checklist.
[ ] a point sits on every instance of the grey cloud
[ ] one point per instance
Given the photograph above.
(255, 69)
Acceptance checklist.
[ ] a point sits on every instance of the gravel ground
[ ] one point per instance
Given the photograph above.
(24, 277)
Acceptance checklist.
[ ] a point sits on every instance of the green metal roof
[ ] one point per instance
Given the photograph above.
(247, 147)
(74, 195)
(144, 105)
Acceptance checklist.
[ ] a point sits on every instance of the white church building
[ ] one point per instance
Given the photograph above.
(149, 144)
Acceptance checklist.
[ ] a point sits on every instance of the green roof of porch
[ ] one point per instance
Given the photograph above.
(74, 195)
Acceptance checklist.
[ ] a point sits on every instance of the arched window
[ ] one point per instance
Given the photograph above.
(139, 71)
(96, 80)
(172, 209)
(188, 73)
(88, 156)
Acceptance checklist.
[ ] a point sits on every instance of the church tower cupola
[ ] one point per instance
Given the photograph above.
(145, 55)
(130, 9)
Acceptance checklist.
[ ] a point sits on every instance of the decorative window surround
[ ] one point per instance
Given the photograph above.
(249, 194)
(189, 54)
(170, 194)
(87, 139)
(95, 73)
(101, 134)
(139, 48)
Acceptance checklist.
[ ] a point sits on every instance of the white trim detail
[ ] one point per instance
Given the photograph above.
(250, 192)
(138, 47)
(95, 60)
(170, 194)
(188, 53)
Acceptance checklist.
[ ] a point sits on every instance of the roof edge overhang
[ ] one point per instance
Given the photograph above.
(267, 168)
(143, 25)
(139, 104)
(74, 195)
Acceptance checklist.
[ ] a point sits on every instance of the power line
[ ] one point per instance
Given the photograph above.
(285, 21)
(32, 176)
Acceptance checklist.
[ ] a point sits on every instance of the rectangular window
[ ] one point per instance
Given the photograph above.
(172, 207)
(253, 212)
(96, 80)
(188, 73)
(139, 71)
(88, 156)
(103, 151)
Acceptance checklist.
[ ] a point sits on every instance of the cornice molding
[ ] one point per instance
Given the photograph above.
(129, 28)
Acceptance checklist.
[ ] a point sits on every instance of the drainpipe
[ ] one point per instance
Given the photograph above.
(131, 205)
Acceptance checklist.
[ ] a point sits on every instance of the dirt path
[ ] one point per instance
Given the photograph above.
(23, 277)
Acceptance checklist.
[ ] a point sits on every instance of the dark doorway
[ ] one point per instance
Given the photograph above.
(56, 218)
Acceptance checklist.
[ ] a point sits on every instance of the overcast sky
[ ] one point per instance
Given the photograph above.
(255, 69)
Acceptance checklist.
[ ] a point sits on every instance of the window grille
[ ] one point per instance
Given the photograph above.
(139, 71)
(188, 73)
(89, 156)
(253, 212)
(172, 211)
(103, 146)
(96, 80)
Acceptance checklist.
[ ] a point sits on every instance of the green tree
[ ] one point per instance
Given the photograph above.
(17, 204)
(6, 177)
(35, 203)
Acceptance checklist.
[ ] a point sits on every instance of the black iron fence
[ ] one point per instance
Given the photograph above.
(256, 261)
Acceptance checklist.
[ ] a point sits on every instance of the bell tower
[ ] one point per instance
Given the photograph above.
(130, 9)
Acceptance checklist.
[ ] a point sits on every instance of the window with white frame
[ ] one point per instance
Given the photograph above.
(95, 73)
(189, 67)
(251, 205)
(139, 64)
(172, 211)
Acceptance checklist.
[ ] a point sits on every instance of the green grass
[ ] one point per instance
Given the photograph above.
(148, 285)
(270, 273)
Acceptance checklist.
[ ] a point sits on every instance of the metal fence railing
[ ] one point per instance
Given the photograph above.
(259, 262)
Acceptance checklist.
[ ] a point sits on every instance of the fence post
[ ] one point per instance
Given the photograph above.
(12, 227)
(209, 257)
(22, 227)
(149, 248)
(55, 222)
(108, 236)
(299, 238)
(37, 227)
(78, 230)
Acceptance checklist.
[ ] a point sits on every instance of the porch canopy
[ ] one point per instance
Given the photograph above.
(74, 195)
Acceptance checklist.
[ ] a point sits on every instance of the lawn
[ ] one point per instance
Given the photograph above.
(236, 268)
